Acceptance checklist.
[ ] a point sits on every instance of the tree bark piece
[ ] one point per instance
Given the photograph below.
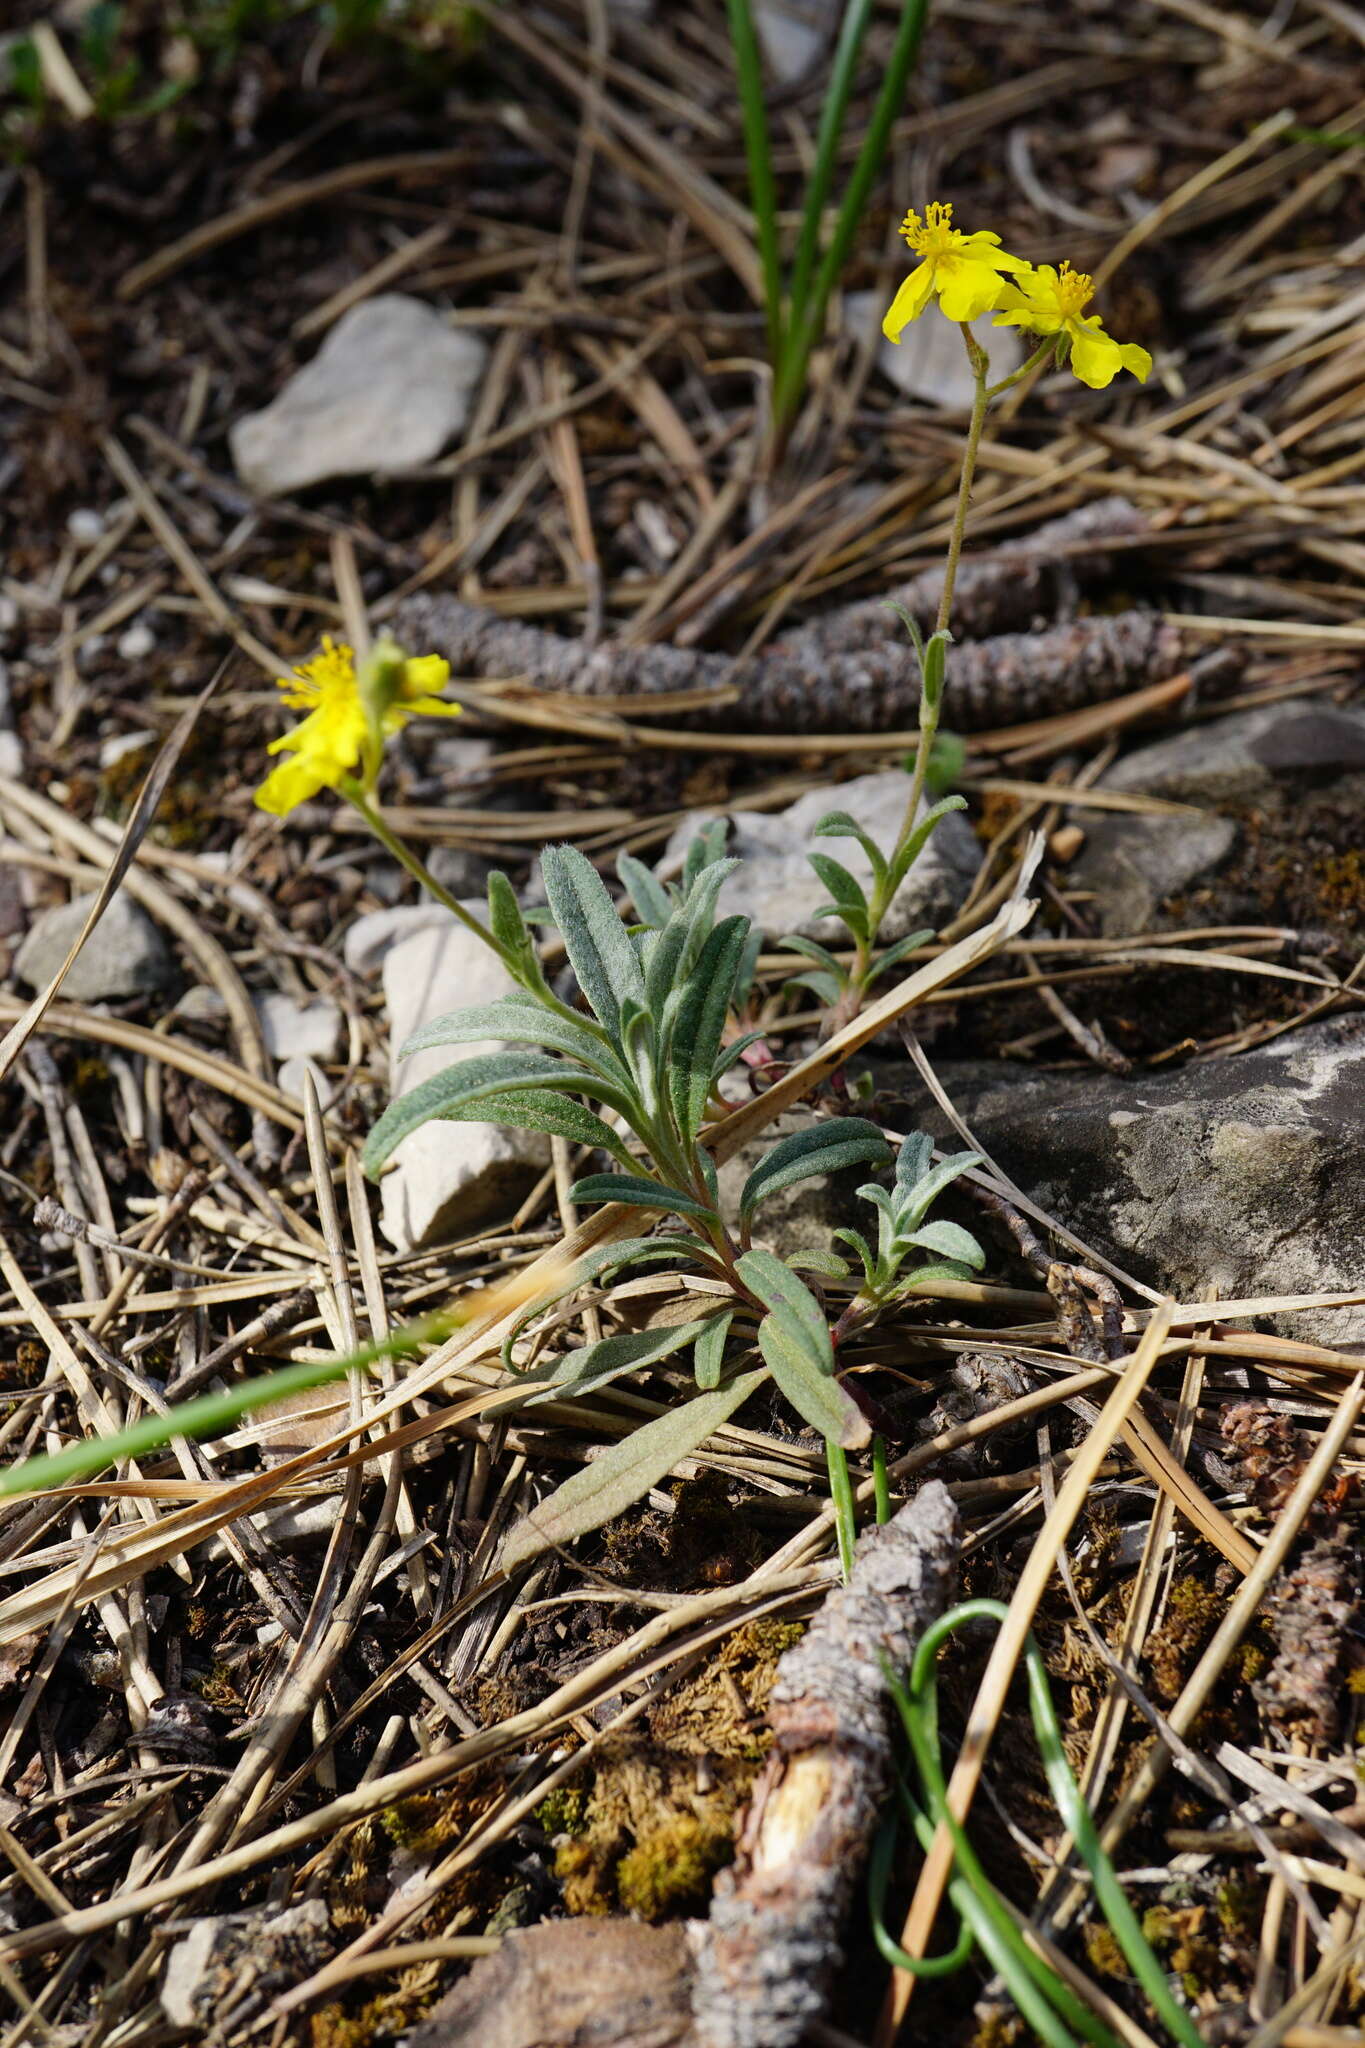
(796, 686)
(1004, 588)
(767, 1954)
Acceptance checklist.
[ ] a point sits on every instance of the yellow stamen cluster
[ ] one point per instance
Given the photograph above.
(350, 715)
(970, 274)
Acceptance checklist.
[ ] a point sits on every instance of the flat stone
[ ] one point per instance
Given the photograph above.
(929, 361)
(386, 391)
(1132, 864)
(125, 955)
(793, 33)
(375, 934)
(1246, 1174)
(447, 1177)
(295, 1030)
(781, 893)
(270, 1947)
(1234, 759)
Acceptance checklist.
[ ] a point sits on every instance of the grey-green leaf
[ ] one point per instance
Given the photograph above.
(637, 1193)
(625, 1471)
(597, 943)
(701, 1020)
(652, 901)
(949, 1241)
(790, 1300)
(517, 1088)
(518, 1020)
(816, 1396)
(708, 1355)
(580, 1372)
(842, 1141)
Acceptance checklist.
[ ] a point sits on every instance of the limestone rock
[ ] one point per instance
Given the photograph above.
(386, 391)
(1132, 863)
(125, 955)
(1233, 759)
(1246, 1174)
(295, 1030)
(929, 361)
(245, 1957)
(794, 33)
(447, 1176)
(781, 892)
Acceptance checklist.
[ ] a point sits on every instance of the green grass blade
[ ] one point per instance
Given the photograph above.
(853, 29)
(209, 1414)
(802, 334)
(758, 150)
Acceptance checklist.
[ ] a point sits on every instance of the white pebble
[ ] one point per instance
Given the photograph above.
(137, 642)
(85, 525)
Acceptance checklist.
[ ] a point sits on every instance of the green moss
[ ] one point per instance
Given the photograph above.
(563, 1811)
(670, 1871)
(1102, 1948)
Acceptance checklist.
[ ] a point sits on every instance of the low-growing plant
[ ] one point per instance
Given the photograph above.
(1043, 1998)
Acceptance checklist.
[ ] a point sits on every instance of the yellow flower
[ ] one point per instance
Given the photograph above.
(334, 740)
(1049, 301)
(963, 269)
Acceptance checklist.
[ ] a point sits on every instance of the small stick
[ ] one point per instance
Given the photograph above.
(767, 1954)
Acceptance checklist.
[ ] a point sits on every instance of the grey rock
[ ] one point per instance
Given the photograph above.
(929, 361)
(781, 892)
(136, 642)
(793, 33)
(292, 1029)
(125, 955)
(1234, 759)
(1243, 1174)
(236, 1961)
(447, 1176)
(1132, 864)
(461, 870)
(375, 934)
(386, 391)
(1259, 758)
(296, 1072)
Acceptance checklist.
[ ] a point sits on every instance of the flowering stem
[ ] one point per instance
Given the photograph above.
(1040, 355)
(418, 869)
(977, 357)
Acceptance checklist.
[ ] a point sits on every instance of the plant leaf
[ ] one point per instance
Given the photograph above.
(695, 1039)
(735, 1050)
(810, 950)
(815, 1394)
(519, 1020)
(637, 1193)
(893, 955)
(518, 1088)
(845, 888)
(708, 1354)
(914, 1205)
(949, 1241)
(827, 986)
(840, 825)
(790, 1300)
(653, 904)
(580, 1372)
(624, 1472)
(596, 941)
(841, 1141)
(915, 844)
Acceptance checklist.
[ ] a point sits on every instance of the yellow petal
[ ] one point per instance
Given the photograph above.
(293, 782)
(424, 675)
(1136, 359)
(983, 247)
(909, 302)
(966, 288)
(1095, 359)
(435, 707)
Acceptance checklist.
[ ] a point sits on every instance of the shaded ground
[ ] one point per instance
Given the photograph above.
(167, 1696)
